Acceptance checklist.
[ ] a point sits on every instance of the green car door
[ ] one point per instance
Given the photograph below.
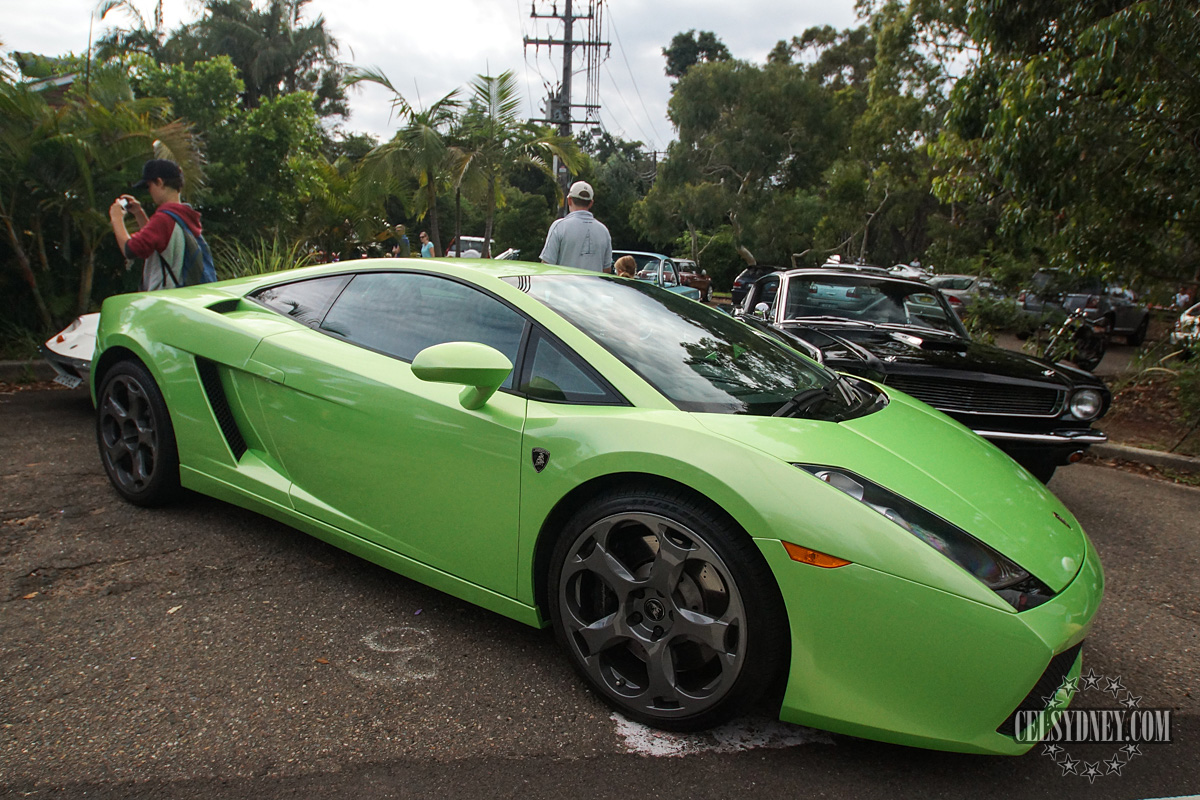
(375, 451)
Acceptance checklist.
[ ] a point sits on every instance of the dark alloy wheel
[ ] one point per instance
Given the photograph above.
(666, 609)
(137, 442)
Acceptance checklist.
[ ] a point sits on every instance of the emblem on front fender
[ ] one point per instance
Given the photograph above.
(540, 458)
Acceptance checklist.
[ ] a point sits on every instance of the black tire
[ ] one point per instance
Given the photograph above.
(1042, 469)
(135, 436)
(680, 637)
(1138, 336)
(708, 293)
(1089, 348)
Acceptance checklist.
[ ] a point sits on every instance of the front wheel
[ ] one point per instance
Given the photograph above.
(666, 609)
(136, 439)
(1089, 347)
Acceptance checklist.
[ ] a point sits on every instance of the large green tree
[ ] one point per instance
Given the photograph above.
(1079, 122)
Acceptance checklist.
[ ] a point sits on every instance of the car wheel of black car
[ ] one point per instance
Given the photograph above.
(135, 436)
(667, 609)
(1138, 336)
(1042, 469)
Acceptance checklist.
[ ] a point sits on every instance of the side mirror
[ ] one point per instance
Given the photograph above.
(482, 369)
(761, 310)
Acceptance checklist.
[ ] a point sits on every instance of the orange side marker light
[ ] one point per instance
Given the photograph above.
(814, 557)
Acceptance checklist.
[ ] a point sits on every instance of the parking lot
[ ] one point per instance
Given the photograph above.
(203, 650)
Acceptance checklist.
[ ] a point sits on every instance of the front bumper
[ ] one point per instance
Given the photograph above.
(881, 657)
(71, 372)
(1052, 439)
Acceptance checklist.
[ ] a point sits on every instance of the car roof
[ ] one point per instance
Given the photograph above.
(871, 273)
(638, 253)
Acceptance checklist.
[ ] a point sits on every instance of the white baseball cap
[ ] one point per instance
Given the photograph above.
(582, 190)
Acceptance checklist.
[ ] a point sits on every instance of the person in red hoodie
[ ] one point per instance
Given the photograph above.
(158, 238)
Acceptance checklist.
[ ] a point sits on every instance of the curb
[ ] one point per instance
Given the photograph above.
(1141, 455)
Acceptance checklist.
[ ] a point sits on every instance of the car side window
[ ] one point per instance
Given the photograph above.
(401, 314)
(764, 292)
(304, 301)
(552, 375)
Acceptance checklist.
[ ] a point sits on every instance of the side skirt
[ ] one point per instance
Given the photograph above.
(388, 559)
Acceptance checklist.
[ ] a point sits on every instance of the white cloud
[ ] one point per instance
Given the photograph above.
(430, 48)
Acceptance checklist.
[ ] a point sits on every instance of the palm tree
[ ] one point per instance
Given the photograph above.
(420, 148)
(495, 140)
(61, 165)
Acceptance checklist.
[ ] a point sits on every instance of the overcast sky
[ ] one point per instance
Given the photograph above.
(432, 47)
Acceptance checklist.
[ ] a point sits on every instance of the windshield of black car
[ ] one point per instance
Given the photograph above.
(699, 358)
(874, 301)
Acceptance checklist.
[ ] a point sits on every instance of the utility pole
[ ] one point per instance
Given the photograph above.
(559, 101)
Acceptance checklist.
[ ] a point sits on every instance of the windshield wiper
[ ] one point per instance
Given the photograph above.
(831, 318)
(807, 399)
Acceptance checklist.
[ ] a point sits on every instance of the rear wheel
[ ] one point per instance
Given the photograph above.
(1139, 335)
(666, 609)
(135, 436)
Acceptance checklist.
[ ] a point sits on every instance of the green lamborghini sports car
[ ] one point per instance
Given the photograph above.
(705, 517)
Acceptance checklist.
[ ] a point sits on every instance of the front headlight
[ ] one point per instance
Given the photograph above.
(1086, 404)
(1000, 574)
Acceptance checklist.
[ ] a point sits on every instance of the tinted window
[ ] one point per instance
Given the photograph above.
(553, 376)
(699, 358)
(305, 301)
(403, 313)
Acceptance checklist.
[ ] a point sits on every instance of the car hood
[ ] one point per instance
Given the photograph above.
(883, 350)
(935, 462)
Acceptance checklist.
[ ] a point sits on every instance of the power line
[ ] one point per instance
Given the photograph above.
(633, 80)
(633, 115)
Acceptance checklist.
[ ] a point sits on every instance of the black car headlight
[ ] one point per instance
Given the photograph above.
(1086, 404)
(999, 573)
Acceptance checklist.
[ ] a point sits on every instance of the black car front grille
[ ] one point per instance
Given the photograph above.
(1044, 690)
(979, 397)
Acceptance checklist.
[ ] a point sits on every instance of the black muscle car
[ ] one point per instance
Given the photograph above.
(901, 333)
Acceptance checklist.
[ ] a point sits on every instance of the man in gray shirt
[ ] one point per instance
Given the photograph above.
(579, 239)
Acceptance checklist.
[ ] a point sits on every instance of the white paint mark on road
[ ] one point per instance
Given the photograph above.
(408, 657)
(733, 737)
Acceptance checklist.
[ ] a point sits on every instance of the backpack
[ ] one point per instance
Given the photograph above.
(197, 264)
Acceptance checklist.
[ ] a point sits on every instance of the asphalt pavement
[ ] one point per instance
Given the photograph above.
(205, 651)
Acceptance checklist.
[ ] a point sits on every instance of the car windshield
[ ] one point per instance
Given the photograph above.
(873, 301)
(699, 358)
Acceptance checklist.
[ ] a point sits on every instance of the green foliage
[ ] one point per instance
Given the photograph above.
(1077, 124)
(237, 259)
(689, 49)
(987, 316)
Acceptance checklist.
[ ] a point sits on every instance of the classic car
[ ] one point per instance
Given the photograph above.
(1054, 294)
(659, 270)
(902, 333)
(704, 516)
(692, 275)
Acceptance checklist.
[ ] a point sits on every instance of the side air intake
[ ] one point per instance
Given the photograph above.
(211, 381)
